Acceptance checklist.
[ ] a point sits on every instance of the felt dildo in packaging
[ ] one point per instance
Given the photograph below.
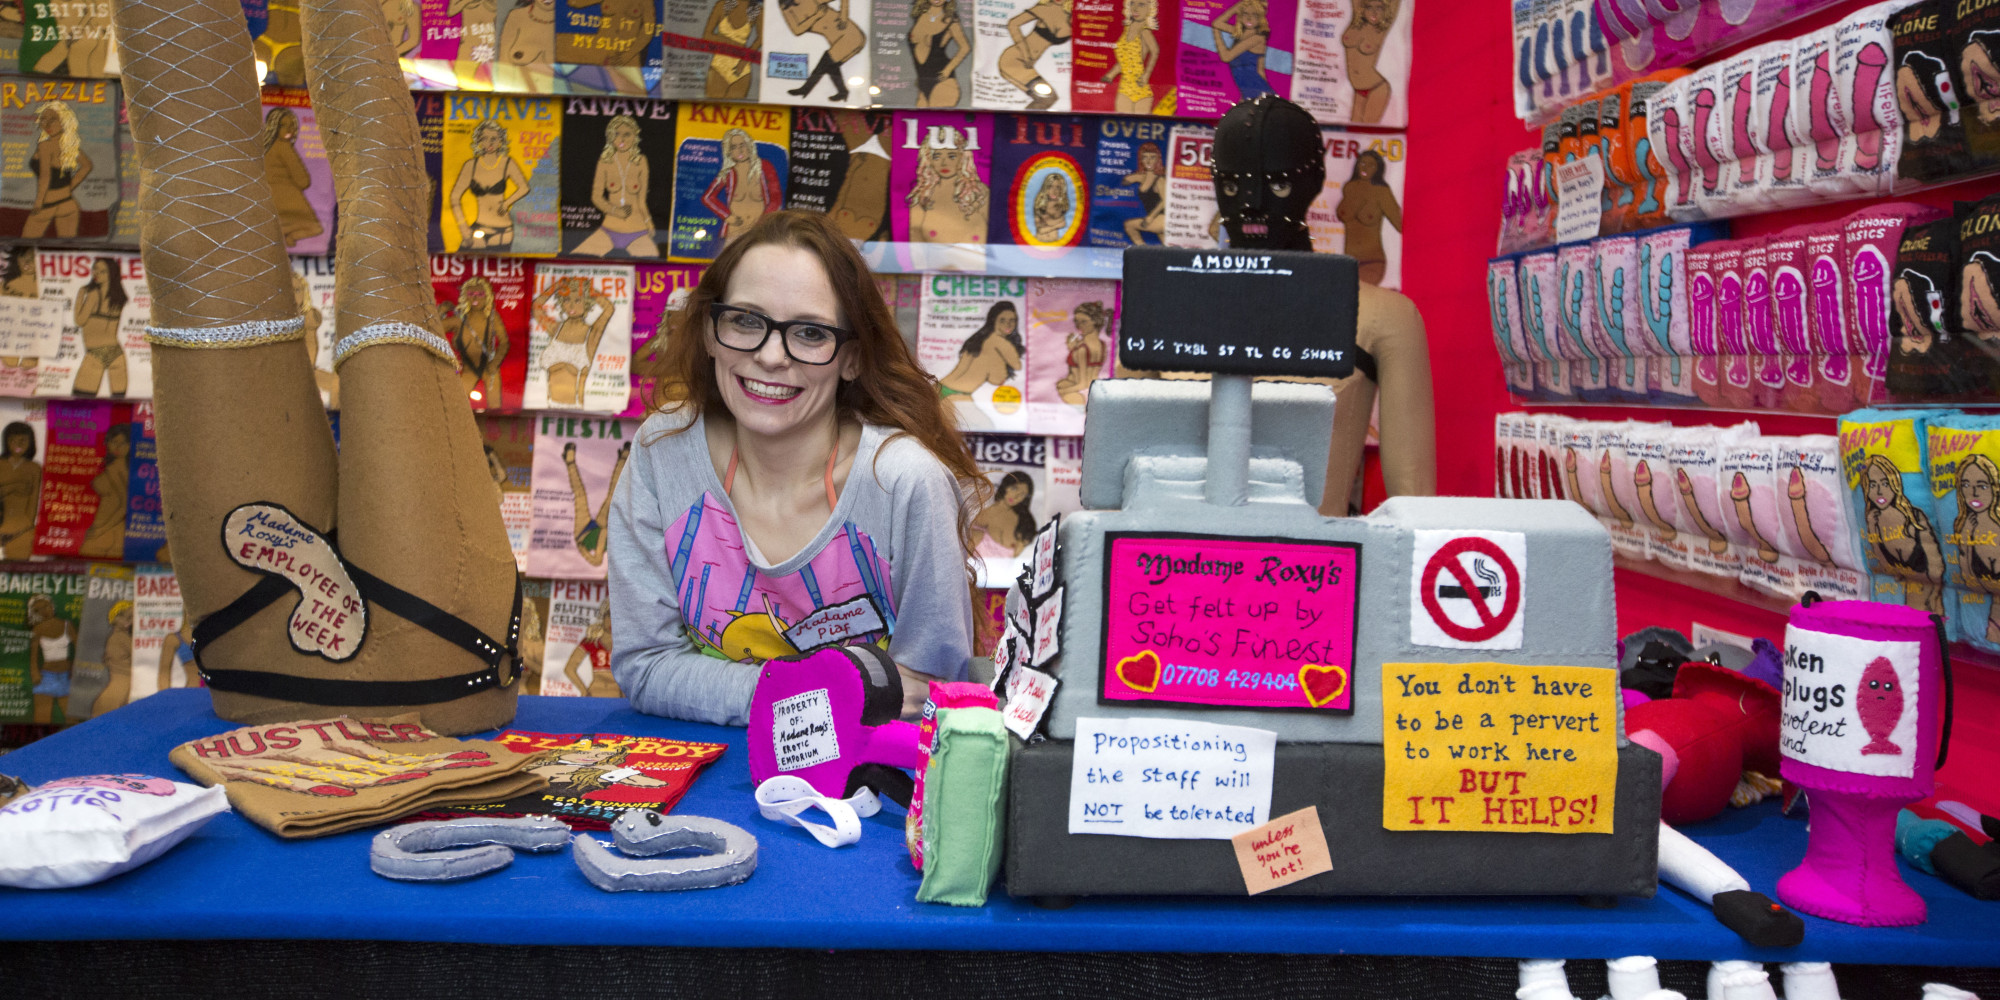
(1816, 116)
(1871, 238)
(1707, 140)
(1503, 304)
(1648, 448)
(1701, 323)
(1619, 449)
(1732, 344)
(1746, 178)
(1781, 165)
(1836, 363)
(1928, 91)
(1930, 359)
(1786, 263)
(1541, 296)
(1964, 452)
(1696, 457)
(1749, 481)
(1576, 462)
(1862, 48)
(1614, 298)
(1660, 304)
(1883, 454)
(1817, 523)
(1577, 315)
(1670, 141)
(81, 830)
(1760, 327)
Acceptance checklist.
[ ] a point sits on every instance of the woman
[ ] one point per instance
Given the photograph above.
(20, 491)
(745, 189)
(1008, 524)
(1052, 209)
(117, 660)
(476, 38)
(791, 468)
(100, 306)
(1366, 201)
(737, 24)
(52, 640)
(1363, 41)
(286, 172)
(1151, 181)
(619, 190)
(18, 281)
(843, 39)
(1086, 352)
(1976, 532)
(589, 533)
(934, 25)
(1242, 37)
(1137, 51)
(594, 647)
(404, 25)
(486, 176)
(573, 339)
(587, 768)
(177, 650)
(105, 538)
(60, 166)
(948, 201)
(82, 33)
(528, 39)
(1035, 31)
(1900, 536)
(481, 339)
(328, 382)
(990, 356)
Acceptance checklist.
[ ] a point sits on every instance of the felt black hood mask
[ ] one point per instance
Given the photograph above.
(1269, 166)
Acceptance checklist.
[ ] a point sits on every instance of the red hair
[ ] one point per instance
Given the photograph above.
(891, 390)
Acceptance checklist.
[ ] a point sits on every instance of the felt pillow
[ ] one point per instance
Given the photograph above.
(965, 795)
(82, 830)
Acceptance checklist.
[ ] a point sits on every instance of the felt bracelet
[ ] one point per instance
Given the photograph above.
(412, 852)
(730, 853)
(785, 797)
(247, 334)
(391, 333)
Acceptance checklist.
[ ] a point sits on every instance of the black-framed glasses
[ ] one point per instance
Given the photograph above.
(805, 342)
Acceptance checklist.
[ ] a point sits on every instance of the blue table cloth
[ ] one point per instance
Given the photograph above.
(232, 880)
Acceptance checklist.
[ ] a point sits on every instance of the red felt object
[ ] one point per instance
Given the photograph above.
(1718, 722)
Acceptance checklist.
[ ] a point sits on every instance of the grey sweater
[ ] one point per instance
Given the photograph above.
(694, 608)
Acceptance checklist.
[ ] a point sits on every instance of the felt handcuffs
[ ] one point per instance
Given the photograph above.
(642, 833)
(416, 852)
(786, 799)
(331, 619)
(830, 717)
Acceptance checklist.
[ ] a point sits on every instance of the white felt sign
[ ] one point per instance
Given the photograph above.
(1044, 561)
(802, 731)
(1048, 629)
(1008, 652)
(1468, 589)
(1579, 194)
(330, 618)
(1028, 694)
(837, 624)
(1850, 704)
(1169, 779)
(30, 327)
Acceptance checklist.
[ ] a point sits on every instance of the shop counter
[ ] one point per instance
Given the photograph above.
(232, 881)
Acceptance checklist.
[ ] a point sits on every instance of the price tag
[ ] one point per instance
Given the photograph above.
(1283, 851)
(1579, 199)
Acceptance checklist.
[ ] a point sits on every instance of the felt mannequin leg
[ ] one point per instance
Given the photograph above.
(1538, 974)
(238, 415)
(1810, 981)
(1719, 973)
(1746, 984)
(418, 509)
(1636, 977)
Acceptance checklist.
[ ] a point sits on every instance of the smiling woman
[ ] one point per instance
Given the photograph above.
(799, 477)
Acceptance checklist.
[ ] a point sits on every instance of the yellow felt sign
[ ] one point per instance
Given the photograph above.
(1498, 747)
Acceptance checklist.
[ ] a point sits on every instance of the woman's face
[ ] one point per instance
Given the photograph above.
(122, 621)
(51, 122)
(575, 306)
(623, 139)
(18, 445)
(117, 446)
(100, 272)
(1975, 489)
(288, 129)
(1085, 325)
(767, 392)
(585, 758)
(474, 297)
(1007, 322)
(739, 149)
(946, 162)
(1149, 158)
(1013, 494)
(1881, 492)
(1138, 11)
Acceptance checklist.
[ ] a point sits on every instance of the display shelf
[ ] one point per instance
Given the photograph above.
(1961, 653)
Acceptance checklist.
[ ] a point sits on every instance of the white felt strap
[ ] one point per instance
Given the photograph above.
(786, 798)
(1690, 867)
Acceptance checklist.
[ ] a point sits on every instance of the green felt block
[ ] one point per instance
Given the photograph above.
(965, 801)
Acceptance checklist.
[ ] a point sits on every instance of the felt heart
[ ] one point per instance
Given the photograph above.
(1141, 672)
(1322, 684)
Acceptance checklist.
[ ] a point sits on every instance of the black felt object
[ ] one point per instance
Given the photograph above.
(1972, 867)
(1758, 920)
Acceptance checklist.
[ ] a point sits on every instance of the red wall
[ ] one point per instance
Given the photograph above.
(1462, 130)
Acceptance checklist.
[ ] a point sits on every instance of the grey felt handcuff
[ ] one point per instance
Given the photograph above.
(642, 834)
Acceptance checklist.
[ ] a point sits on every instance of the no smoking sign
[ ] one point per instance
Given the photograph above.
(1467, 588)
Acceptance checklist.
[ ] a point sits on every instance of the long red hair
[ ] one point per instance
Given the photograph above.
(891, 390)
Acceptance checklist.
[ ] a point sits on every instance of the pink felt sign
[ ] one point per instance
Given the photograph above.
(1230, 622)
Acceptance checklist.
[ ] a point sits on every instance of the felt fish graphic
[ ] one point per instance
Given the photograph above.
(1880, 704)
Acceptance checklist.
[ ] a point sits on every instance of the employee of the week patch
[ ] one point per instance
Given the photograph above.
(1215, 621)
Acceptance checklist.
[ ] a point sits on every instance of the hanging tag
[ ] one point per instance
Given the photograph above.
(1044, 562)
(1029, 692)
(1048, 629)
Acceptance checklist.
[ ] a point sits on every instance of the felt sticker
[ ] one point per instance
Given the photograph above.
(1469, 585)
(1044, 560)
(1229, 622)
(802, 731)
(1499, 747)
(1048, 629)
(1029, 692)
(330, 618)
(1169, 779)
(1285, 850)
(837, 625)
(1850, 704)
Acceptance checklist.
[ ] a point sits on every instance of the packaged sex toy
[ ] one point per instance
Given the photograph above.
(1661, 307)
(1614, 273)
(1975, 37)
(1746, 180)
(1760, 327)
(1884, 455)
(1731, 343)
(1780, 165)
(1837, 363)
(1929, 355)
(1749, 501)
(1695, 454)
(1928, 92)
(1816, 525)
(1649, 184)
(1703, 344)
(82, 830)
(1541, 296)
(1503, 304)
(1972, 297)
(1867, 110)
(1578, 463)
(1871, 238)
(1577, 321)
(1817, 116)
(1619, 488)
(1647, 451)
(1786, 263)
(1964, 451)
(1708, 139)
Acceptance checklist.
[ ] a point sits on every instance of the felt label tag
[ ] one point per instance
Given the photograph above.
(1468, 588)
(1169, 779)
(836, 625)
(330, 618)
(802, 731)
(1283, 851)
(1499, 747)
(1044, 561)
(1230, 622)
(1580, 198)
(1850, 704)
(1029, 692)
(1048, 629)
